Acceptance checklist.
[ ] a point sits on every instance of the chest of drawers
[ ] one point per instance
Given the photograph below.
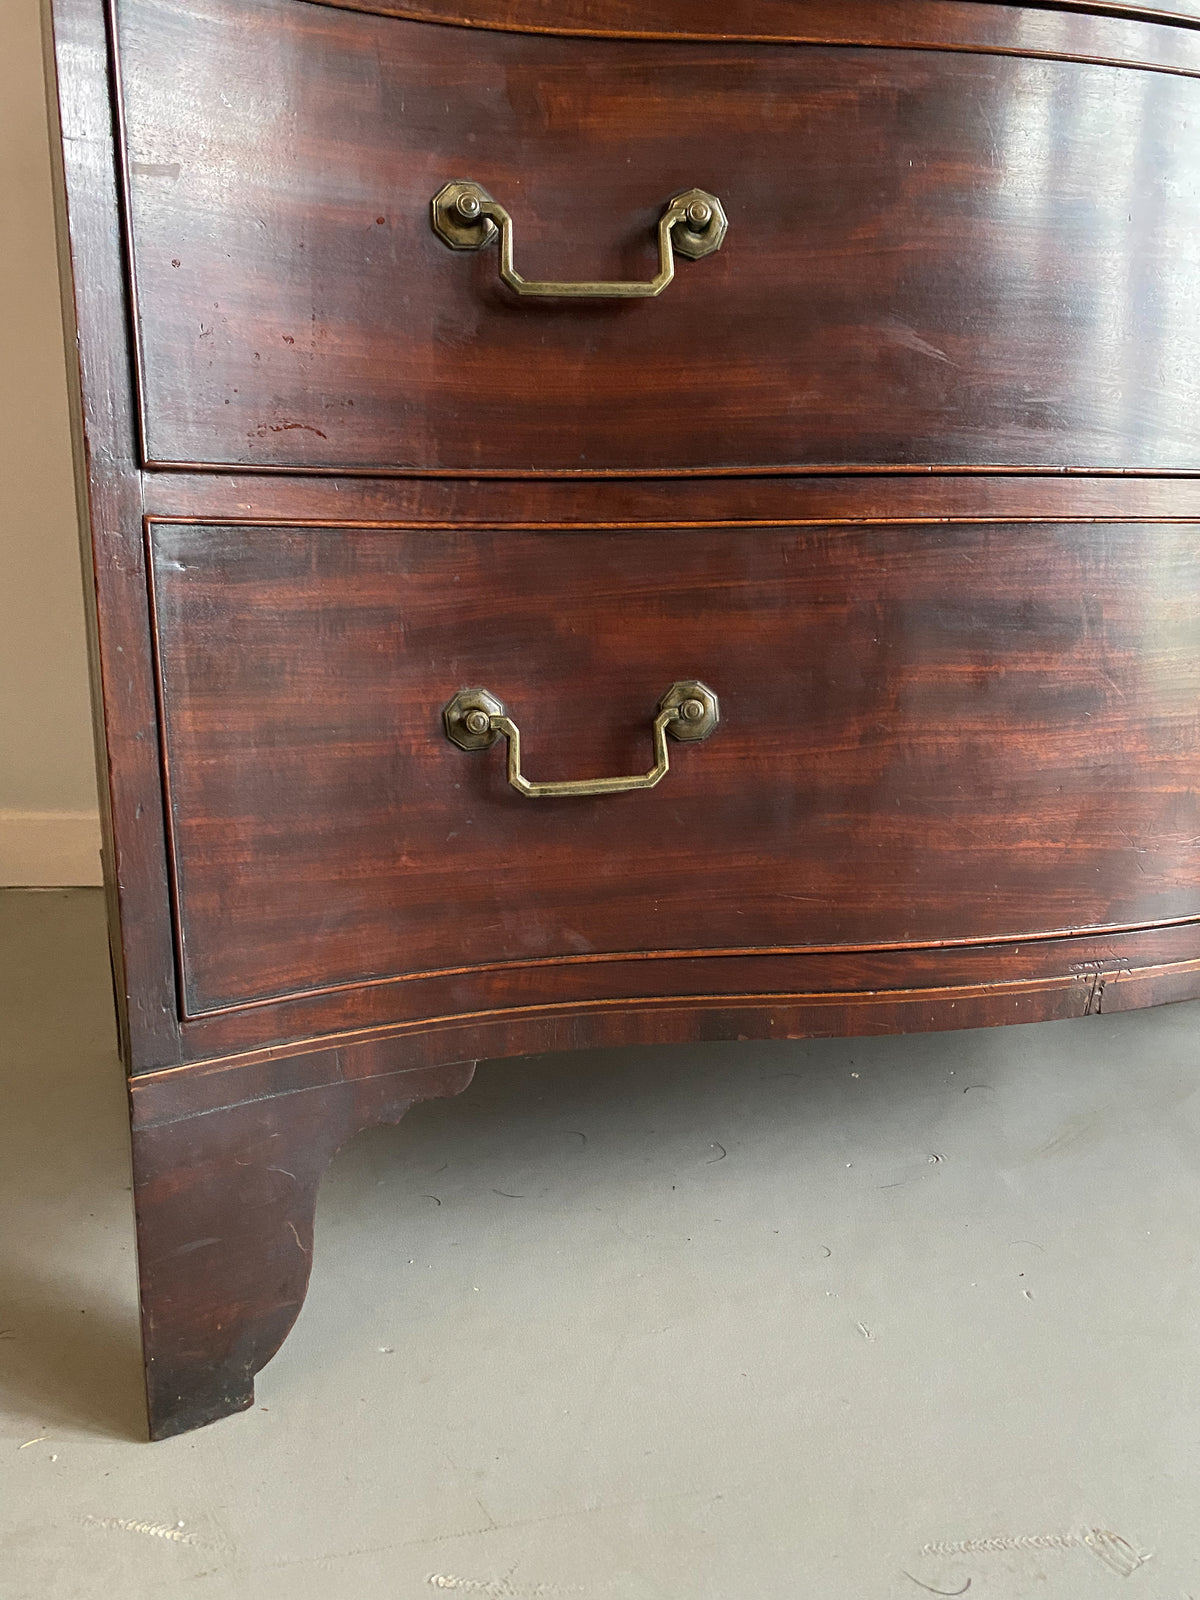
(612, 524)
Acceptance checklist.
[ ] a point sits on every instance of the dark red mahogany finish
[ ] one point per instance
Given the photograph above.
(907, 472)
(304, 314)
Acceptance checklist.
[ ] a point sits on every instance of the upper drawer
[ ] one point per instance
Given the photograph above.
(934, 257)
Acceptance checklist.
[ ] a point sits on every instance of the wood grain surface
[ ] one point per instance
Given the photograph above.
(921, 269)
(225, 1208)
(909, 473)
(927, 734)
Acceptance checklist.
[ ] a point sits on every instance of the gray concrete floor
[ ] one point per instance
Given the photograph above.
(865, 1319)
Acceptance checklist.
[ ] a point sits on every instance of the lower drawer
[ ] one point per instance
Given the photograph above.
(927, 734)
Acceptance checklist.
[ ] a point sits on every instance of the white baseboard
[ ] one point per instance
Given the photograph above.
(49, 849)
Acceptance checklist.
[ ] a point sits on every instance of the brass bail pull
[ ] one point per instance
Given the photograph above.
(467, 218)
(475, 719)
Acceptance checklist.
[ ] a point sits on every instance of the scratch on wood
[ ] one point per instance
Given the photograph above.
(900, 333)
(196, 1244)
(288, 427)
(1095, 998)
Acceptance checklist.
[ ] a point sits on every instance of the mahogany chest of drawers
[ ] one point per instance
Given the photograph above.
(615, 523)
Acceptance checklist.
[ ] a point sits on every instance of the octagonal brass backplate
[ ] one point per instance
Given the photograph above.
(695, 241)
(452, 221)
(697, 705)
(471, 705)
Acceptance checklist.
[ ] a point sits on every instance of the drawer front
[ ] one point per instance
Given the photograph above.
(926, 735)
(932, 258)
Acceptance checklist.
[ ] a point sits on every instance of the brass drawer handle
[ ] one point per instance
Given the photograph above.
(475, 719)
(465, 216)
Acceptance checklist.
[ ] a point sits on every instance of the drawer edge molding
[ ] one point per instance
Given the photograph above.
(928, 25)
(791, 469)
(388, 981)
(1064, 989)
(740, 505)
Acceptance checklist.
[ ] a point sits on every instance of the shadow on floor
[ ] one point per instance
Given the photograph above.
(69, 1348)
(65, 1362)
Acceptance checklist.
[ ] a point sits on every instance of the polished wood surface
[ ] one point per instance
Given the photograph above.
(994, 728)
(225, 1224)
(917, 271)
(906, 472)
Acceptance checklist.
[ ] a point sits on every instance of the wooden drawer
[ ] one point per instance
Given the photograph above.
(955, 780)
(927, 735)
(920, 268)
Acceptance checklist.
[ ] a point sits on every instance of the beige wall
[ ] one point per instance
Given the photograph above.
(48, 832)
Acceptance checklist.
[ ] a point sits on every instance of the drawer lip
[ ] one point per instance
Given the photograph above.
(528, 19)
(806, 469)
(211, 1055)
(619, 957)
